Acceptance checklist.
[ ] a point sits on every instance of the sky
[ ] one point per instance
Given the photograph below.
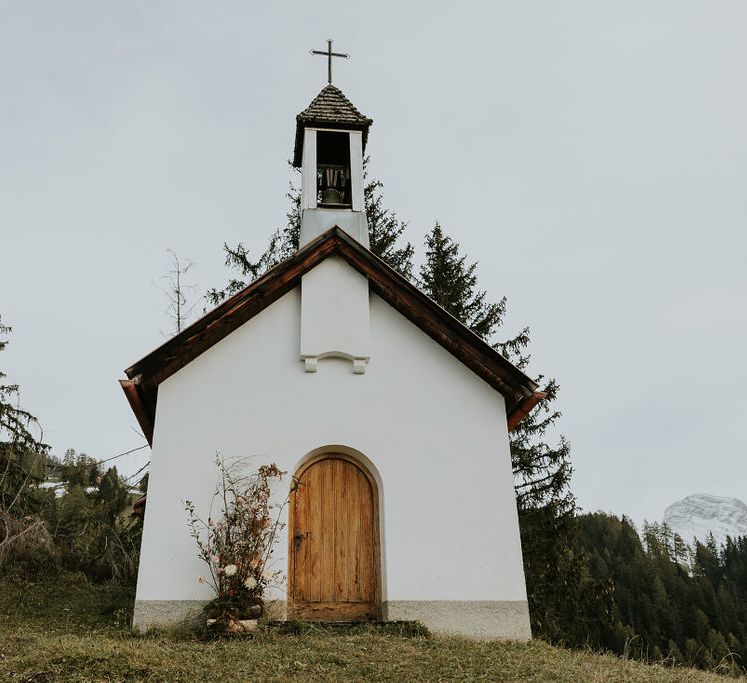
(591, 155)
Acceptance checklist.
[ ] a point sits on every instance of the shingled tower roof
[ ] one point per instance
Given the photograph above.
(329, 109)
(331, 106)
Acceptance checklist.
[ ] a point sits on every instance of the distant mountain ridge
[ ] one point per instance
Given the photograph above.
(699, 514)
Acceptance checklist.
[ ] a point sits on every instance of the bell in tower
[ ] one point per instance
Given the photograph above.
(333, 170)
(331, 137)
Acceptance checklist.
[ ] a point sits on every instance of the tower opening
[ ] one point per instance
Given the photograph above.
(333, 169)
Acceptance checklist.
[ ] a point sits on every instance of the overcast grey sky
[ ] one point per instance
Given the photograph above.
(591, 155)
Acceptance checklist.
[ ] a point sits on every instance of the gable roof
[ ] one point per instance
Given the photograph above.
(329, 109)
(141, 387)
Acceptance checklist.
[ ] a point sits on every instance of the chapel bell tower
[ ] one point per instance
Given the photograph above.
(331, 137)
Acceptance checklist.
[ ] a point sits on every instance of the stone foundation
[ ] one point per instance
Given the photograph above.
(488, 620)
(149, 613)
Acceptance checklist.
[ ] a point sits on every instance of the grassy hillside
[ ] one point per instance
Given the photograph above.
(67, 630)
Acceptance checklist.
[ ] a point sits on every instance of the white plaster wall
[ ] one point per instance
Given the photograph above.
(314, 222)
(434, 431)
(334, 311)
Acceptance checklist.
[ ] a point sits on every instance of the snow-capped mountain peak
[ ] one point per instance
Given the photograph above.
(699, 514)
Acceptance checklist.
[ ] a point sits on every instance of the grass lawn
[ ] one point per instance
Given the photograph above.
(68, 630)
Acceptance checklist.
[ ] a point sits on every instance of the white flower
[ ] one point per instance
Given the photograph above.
(267, 576)
(250, 582)
(230, 569)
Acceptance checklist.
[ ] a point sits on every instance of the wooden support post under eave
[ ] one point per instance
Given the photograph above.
(141, 414)
(524, 408)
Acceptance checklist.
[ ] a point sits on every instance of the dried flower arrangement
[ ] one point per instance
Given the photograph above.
(237, 545)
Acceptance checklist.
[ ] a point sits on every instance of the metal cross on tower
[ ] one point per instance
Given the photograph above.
(329, 54)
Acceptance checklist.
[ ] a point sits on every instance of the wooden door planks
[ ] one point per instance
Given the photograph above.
(334, 572)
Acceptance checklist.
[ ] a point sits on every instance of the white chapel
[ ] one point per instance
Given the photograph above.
(394, 415)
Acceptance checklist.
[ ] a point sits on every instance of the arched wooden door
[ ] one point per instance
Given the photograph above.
(334, 542)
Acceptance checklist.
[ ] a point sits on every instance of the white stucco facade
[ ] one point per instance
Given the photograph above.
(432, 433)
(335, 315)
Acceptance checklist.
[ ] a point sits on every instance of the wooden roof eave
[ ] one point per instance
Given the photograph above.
(523, 409)
(143, 416)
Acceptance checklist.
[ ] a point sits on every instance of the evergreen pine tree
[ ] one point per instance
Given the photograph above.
(22, 454)
(451, 282)
(15, 424)
(385, 230)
